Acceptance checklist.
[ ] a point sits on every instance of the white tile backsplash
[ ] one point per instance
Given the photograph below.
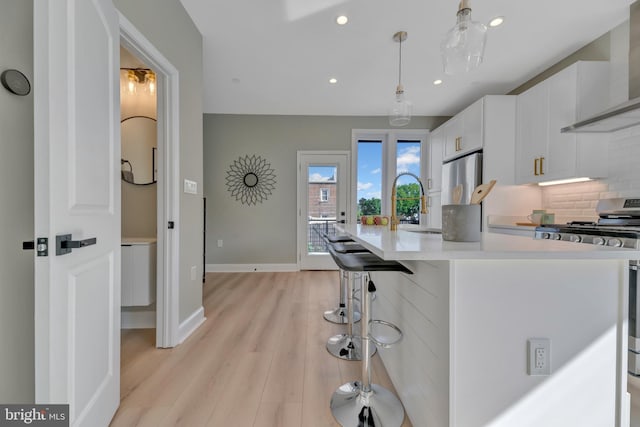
(578, 201)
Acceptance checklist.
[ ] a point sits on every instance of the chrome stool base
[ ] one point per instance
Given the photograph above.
(348, 347)
(340, 316)
(353, 407)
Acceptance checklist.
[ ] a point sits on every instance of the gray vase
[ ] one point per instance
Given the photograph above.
(461, 223)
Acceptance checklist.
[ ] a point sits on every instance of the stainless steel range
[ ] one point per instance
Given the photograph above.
(618, 226)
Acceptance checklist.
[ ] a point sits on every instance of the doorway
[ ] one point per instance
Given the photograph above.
(323, 194)
(165, 173)
(139, 186)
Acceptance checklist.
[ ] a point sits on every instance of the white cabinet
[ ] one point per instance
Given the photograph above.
(488, 124)
(542, 152)
(463, 133)
(138, 272)
(434, 161)
(434, 177)
(434, 207)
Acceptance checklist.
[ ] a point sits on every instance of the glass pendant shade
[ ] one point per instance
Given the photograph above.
(463, 47)
(400, 112)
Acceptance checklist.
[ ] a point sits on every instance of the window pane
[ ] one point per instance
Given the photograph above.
(408, 160)
(369, 177)
(321, 207)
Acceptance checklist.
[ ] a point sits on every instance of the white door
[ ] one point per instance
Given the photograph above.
(323, 193)
(77, 193)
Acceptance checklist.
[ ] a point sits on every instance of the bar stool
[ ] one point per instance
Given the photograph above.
(360, 403)
(348, 346)
(339, 314)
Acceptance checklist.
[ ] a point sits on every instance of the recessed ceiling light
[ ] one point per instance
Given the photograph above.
(333, 81)
(341, 20)
(498, 20)
(437, 82)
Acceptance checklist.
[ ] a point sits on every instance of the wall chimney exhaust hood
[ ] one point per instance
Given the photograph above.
(620, 117)
(627, 114)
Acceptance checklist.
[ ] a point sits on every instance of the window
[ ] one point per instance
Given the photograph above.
(379, 157)
(324, 194)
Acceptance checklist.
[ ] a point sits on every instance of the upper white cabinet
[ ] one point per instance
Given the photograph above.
(464, 132)
(434, 161)
(573, 94)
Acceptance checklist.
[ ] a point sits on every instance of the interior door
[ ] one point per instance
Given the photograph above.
(77, 195)
(322, 202)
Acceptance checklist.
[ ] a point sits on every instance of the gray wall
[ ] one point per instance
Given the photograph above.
(266, 233)
(16, 213)
(168, 27)
(597, 50)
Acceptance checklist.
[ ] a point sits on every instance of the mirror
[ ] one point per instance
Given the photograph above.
(139, 152)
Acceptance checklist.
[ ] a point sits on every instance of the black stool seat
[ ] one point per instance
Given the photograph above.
(366, 262)
(337, 238)
(349, 248)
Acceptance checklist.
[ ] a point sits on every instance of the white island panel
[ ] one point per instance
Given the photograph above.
(575, 304)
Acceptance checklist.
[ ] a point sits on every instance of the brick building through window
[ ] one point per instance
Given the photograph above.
(322, 199)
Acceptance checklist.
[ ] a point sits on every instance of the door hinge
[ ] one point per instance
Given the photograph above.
(171, 225)
(41, 246)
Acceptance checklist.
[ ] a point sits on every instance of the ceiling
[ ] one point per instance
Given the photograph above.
(276, 57)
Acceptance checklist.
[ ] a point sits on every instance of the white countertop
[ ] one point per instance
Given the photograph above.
(410, 245)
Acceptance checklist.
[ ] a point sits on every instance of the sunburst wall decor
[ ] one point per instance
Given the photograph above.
(250, 179)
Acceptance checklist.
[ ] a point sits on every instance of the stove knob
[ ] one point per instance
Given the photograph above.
(616, 243)
(556, 236)
(575, 238)
(598, 241)
(545, 235)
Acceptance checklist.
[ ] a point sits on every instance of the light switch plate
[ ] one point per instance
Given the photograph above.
(190, 187)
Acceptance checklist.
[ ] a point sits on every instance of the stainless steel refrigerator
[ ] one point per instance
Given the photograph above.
(465, 170)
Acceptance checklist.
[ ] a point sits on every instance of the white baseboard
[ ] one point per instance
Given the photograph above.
(192, 323)
(137, 319)
(239, 268)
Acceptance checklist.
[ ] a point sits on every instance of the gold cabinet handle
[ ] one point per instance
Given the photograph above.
(541, 165)
(535, 167)
(459, 143)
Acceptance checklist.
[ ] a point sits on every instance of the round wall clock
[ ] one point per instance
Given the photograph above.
(15, 82)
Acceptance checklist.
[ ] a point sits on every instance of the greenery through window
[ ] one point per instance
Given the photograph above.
(374, 174)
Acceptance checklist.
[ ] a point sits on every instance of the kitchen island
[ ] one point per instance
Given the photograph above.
(468, 311)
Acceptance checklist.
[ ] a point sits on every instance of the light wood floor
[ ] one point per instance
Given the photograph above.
(258, 360)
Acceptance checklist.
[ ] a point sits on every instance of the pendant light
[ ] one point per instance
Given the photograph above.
(400, 112)
(463, 47)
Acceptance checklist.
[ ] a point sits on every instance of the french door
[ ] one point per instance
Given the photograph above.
(323, 195)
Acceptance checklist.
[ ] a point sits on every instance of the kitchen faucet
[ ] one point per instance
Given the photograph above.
(394, 199)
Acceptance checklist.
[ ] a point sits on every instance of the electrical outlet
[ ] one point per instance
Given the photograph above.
(539, 356)
(219, 243)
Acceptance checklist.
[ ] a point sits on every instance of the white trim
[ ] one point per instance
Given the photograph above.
(191, 324)
(168, 113)
(138, 319)
(240, 268)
